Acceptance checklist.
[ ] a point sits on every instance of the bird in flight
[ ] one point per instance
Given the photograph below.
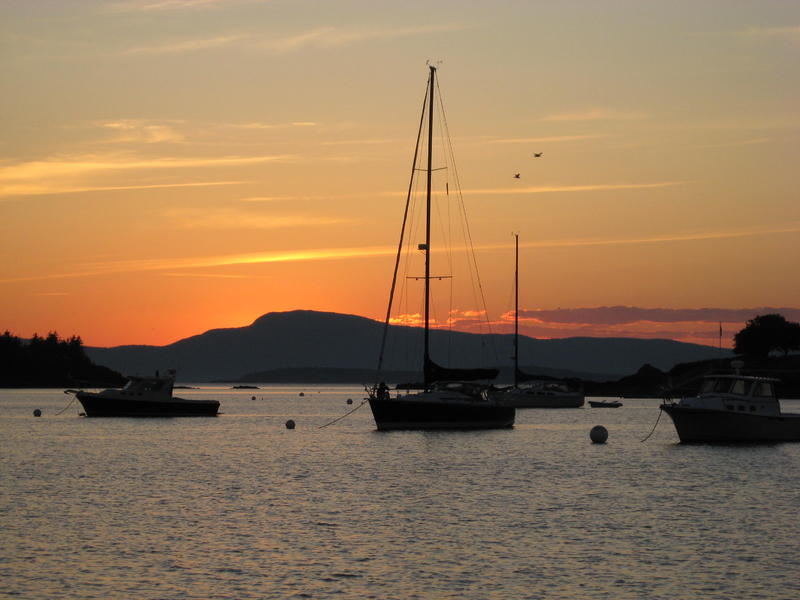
(516, 175)
(537, 154)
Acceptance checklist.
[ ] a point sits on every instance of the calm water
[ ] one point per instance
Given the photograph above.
(240, 507)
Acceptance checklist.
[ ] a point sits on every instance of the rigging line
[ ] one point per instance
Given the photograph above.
(660, 410)
(400, 243)
(466, 222)
(347, 414)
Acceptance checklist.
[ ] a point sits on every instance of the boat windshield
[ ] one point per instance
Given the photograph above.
(720, 386)
(740, 387)
(763, 389)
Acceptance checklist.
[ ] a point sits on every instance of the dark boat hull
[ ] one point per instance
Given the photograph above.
(95, 405)
(696, 425)
(395, 414)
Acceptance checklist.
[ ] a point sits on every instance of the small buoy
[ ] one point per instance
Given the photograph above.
(289, 424)
(252, 397)
(598, 434)
(349, 400)
(37, 413)
(302, 394)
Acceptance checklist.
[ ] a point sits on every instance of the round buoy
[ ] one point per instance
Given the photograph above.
(598, 434)
(349, 400)
(289, 424)
(302, 393)
(37, 413)
(252, 397)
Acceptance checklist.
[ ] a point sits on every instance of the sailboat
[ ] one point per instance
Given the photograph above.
(447, 398)
(535, 393)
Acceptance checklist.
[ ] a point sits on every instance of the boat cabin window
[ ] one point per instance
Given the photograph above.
(717, 385)
(741, 387)
(763, 389)
(708, 385)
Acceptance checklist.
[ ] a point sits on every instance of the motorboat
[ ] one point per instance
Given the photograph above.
(733, 408)
(144, 397)
(447, 398)
(605, 403)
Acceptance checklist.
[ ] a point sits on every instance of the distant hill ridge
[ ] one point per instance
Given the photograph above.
(312, 339)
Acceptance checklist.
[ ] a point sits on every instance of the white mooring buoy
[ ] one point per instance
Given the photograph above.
(598, 434)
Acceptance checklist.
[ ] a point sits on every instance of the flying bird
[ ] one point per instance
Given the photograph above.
(537, 154)
(516, 175)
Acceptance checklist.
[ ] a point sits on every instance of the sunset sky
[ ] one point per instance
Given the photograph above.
(172, 166)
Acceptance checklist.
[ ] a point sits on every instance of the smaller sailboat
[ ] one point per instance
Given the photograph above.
(534, 393)
(449, 398)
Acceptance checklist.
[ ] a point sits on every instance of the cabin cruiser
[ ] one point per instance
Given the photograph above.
(733, 408)
(144, 397)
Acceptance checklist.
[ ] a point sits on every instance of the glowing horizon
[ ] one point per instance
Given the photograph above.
(256, 159)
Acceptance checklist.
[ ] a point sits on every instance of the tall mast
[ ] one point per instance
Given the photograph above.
(516, 307)
(427, 356)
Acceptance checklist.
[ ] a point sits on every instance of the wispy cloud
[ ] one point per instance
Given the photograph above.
(789, 228)
(52, 176)
(85, 164)
(597, 114)
(364, 142)
(168, 5)
(618, 315)
(217, 275)
(140, 131)
(709, 326)
(232, 218)
(200, 262)
(182, 46)
(158, 264)
(594, 187)
(544, 140)
(737, 143)
(262, 126)
(327, 37)
(44, 189)
(791, 32)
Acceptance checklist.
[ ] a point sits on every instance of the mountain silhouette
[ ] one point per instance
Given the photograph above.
(309, 339)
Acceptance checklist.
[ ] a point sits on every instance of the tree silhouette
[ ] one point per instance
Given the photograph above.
(48, 362)
(766, 333)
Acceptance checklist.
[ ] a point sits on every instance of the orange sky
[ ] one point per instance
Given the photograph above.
(171, 166)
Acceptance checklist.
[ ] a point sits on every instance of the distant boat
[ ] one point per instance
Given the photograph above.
(144, 397)
(448, 399)
(732, 409)
(536, 393)
(605, 403)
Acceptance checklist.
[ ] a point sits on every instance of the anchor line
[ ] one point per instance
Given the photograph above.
(347, 414)
(66, 407)
(660, 410)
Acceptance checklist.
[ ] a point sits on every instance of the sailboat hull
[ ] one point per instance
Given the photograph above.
(406, 413)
